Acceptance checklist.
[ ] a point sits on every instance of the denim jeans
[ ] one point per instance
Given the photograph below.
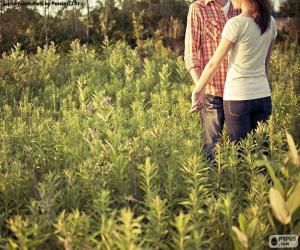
(242, 116)
(212, 117)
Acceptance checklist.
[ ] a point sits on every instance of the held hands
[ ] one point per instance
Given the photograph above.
(197, 100)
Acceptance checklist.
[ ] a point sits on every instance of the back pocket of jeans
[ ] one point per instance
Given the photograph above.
(238, 108)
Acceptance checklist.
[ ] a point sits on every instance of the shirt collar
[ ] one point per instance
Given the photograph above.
(207, 1)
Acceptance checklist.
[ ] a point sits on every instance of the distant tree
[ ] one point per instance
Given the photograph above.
(23, 25)
(163, 20)
(290, 8)
(104, 15)
(46, 14)
(1, 21)
(88, 21)
(66, 27)
(109, 19)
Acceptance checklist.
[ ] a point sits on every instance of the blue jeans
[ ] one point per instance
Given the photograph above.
(212, 117)
(242, 116)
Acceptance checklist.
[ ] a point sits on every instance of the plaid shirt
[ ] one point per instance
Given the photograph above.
(205, 22)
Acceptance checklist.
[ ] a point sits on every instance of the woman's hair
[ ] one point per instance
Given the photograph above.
(260, 11)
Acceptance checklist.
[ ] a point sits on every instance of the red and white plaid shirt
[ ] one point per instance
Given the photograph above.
(205, 22)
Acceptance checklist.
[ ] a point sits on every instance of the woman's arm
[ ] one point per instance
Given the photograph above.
(267, 61)
(210, 69)
(213, 64)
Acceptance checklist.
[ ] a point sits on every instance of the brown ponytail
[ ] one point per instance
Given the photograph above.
(260, 11)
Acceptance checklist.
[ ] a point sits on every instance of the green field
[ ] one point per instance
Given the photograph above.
(98, 151)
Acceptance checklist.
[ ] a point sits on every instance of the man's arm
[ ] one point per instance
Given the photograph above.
(192, 43)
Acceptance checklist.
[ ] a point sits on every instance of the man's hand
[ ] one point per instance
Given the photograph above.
(197, 100)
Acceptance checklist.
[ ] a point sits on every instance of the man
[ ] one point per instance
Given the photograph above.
(205, 22)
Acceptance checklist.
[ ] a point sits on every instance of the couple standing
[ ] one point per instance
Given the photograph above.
(234, 89)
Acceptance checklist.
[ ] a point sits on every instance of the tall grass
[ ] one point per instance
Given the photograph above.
(98, 151)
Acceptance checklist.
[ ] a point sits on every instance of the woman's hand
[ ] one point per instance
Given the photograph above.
(197, 100)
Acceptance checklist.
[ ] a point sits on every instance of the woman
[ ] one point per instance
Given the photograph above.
(249, 39)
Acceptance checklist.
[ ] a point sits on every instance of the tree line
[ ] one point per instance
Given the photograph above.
(129, 20)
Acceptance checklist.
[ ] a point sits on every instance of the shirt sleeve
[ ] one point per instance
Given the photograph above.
(231, 31)
(192, 39)
(274, 28)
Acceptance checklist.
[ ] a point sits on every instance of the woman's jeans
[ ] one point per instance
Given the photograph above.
(242, 116)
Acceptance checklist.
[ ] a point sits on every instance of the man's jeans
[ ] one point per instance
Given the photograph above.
(243, 116)
(212, 117)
